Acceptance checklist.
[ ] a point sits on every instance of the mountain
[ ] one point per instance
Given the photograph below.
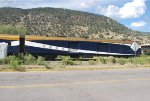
(69, 23)
(146, 33)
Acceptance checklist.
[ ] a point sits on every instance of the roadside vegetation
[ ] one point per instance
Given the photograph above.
(18, 62)
(22, 62)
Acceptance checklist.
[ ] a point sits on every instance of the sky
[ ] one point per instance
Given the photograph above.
(135, 14)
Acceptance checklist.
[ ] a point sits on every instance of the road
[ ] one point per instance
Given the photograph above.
(104, 85)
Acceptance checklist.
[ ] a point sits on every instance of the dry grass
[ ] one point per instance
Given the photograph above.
(78, 67)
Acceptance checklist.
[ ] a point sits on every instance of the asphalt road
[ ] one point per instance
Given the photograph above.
(104, 85)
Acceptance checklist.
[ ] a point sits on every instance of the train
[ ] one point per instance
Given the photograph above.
(54, 46)
(146, 49)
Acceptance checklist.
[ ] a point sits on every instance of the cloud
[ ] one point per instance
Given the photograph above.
(110, 11)
(36, 3)
(88, 4)
(70, 4)
(17, 3)
(138, 24)
(133, 9)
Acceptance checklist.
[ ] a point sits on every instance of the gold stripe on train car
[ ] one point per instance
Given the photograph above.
(34, 37)
(9, 37)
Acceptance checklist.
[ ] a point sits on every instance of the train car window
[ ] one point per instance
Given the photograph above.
(73, 46)
(103, 47)
(114, 48)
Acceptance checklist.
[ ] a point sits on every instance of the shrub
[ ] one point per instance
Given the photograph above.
(29, 59)
(143, 60)
(16, 62)
(91, 62)
(21, 58)
(66, 60)
(148, 60)
(40, 60)
(77, 62)
(15, 65)
(1, 61)
(131, 60)
(98, 60)
(47, 66)
(121, 61)
(7, 60)
(112, 60)
(59, 57)
(4, 61)
(103, 60)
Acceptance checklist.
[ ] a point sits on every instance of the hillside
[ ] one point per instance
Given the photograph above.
(69, 23)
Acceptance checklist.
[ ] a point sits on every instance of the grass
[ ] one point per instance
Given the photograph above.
(17, 62)
(25, 62)
(68, 68)
(89, 68)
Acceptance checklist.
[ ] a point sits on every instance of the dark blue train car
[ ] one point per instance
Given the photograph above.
(13, 43)
(77, 46)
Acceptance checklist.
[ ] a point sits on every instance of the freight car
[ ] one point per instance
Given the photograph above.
(13, 43)
(146, 48)
(53, 46)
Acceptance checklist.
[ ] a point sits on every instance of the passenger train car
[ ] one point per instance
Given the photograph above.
(53, 46)
(77, 46)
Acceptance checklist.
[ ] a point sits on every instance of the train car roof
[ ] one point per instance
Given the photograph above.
(34, 37)
(9, 37)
